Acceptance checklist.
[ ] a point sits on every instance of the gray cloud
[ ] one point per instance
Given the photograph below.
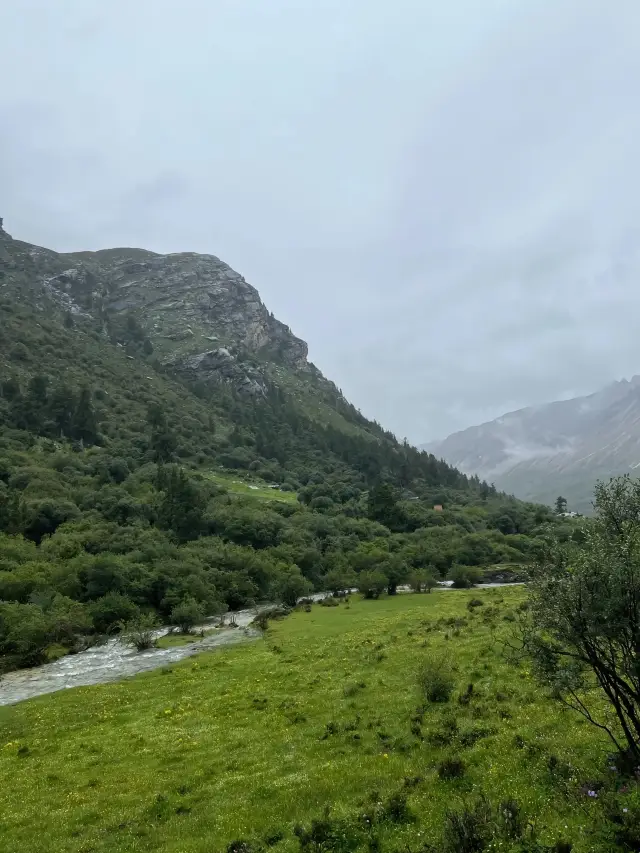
(441, 198)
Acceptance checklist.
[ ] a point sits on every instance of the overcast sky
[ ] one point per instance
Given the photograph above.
(442, 198)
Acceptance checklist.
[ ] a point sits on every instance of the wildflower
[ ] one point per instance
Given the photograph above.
(625, 810)
(385, 755)
(592, 794)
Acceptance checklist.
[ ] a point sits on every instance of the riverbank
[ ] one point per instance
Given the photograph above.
(326, 710)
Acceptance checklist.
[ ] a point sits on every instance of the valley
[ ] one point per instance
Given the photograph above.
(169, 457)
(240, 746)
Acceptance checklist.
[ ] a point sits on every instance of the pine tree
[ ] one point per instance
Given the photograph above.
(84, 426)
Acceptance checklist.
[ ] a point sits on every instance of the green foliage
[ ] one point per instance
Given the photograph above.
(560, 505)
(372, 583)
(110, 611)
(436, 678)
(583, 622)
(291, 586)
(422, 580)
(25, 632)
(140, 632)
(187, 615)
(136, 488)
(464, 577)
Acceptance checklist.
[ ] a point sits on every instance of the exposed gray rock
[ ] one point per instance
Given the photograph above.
(181, 300)
(219, 365)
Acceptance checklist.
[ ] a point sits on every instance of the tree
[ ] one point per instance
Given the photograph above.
(338, 580)
(583, 627)
(395, 571)
(382, 505)
(61, 408)
(183, 504)
(110, 611)
(187, 614)
(422, 580)
(292, 586)
(464, 577)
(372, 584)
(561, 505)
(140, 632)
(163, 440)
(85, 427)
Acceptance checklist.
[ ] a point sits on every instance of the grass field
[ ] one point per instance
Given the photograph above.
(324, 711)
(256, 489)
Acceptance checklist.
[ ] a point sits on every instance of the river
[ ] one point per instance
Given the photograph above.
(115, 660)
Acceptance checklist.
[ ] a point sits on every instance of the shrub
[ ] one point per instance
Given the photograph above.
(187, 614)
(469, 830)
(111, 612)
(140, 632)
(372, 584)
(465, 698)
(329, 834)
(263, 616)
(451, 768)
(474, 602)
(24, 633)
(464, 577)
(511, 819)
(436, 678)
(396, 809)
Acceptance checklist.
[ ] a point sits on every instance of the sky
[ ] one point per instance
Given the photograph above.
(441, 198)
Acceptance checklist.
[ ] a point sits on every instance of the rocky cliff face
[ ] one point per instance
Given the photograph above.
(202, 317)
(558, 448)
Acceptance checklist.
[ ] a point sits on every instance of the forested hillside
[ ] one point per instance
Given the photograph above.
(134, 480)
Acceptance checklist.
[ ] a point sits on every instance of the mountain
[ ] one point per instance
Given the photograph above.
(166, 444)
(557, 448)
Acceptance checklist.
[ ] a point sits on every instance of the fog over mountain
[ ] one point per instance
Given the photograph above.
(441, 198)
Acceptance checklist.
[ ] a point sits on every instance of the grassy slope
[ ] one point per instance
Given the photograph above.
(229, 745)
(251, 487)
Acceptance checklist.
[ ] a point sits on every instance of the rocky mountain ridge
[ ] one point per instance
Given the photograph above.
(562, 447)
(203, 319)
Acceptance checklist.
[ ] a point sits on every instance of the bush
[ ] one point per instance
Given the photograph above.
(469, 830)
(396, 809)
(140, 632)
(436, 678)
(292, 586)
(111, 611)
(24, 633)
(464, 577)
(422, 580)
(263, 616)
(372, 584)
(329, 834)
(451, 768)
(186, 615)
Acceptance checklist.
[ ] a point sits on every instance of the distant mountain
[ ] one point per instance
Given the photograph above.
(556, 448)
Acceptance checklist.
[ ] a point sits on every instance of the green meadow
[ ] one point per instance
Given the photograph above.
(234, 749)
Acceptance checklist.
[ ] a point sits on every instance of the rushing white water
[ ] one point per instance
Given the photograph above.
(115, 660)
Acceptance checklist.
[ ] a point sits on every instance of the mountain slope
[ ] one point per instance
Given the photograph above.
(166, 446)
(557, 448)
